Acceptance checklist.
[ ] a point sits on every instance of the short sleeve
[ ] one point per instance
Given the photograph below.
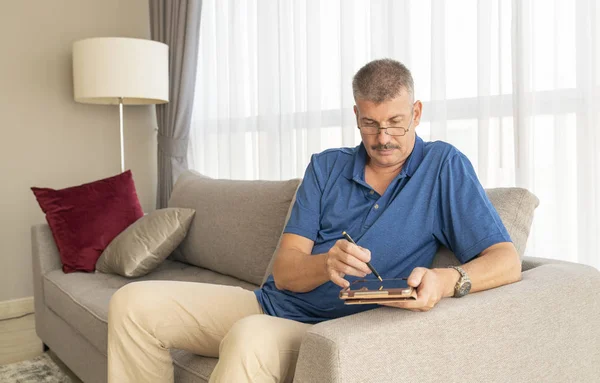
(305, 217)
(467, 223)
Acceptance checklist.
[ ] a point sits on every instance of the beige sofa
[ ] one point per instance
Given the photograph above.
(545, 328)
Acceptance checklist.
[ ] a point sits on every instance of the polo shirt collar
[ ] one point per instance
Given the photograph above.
(355, 169)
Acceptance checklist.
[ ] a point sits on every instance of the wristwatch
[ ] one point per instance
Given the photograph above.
(463, 286)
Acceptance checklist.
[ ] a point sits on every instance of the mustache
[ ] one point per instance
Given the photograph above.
(385, 147)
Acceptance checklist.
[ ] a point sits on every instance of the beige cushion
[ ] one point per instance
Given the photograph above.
(237, 223)
(287, 218)
(146, 243)
(515, 206)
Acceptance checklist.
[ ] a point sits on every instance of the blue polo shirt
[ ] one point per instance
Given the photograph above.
(435, 200)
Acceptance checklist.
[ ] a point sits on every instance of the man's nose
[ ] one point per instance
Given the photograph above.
(383, 137)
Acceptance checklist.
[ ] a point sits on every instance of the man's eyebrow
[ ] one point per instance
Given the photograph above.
(391, 118)
(397, 116)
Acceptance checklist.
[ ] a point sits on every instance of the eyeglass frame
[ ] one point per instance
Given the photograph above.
(406, 130)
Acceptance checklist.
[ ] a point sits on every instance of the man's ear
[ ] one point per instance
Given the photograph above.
(356, 114)
(418, 110)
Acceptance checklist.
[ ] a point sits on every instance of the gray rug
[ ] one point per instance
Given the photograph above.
(39, 369)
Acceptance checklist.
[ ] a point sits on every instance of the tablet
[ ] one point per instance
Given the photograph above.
(370, 291)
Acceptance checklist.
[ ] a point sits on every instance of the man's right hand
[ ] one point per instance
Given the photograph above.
(346, 258)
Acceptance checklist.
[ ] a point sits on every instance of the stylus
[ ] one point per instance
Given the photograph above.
(349, 239)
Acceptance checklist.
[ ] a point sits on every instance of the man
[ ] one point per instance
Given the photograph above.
(399, 197)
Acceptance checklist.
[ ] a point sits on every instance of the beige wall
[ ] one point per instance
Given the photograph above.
(49, 140)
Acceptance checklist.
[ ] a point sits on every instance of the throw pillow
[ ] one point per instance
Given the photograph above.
(244, 220)
(287, 218)
(84, 219)
(146, 243)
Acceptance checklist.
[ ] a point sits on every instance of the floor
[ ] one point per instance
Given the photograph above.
(62, 366)
(18, 341)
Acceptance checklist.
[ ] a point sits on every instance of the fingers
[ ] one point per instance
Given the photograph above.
(338, 279)
(337, 269)
(350, 255)
(413, 305)
(428, 295)
(335, 276)
(345, 258)
(415, 278)
(358, 252)
(400, 305)
(345, 268)
(367, 254)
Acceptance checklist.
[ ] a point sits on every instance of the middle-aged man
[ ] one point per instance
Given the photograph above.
(397, 196)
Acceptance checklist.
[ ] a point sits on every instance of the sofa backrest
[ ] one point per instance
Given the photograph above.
(237, 224)
(515, 206)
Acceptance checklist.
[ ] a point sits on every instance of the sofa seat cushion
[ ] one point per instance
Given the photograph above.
(191, 367)
(81, 299)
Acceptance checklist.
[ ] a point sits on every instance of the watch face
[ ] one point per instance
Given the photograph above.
(464, 289)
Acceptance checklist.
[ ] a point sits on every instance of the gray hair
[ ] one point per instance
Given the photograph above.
(382, 80)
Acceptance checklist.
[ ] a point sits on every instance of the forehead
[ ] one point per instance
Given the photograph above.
(399, 107)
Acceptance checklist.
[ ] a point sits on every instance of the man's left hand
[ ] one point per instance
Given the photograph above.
(432, 285)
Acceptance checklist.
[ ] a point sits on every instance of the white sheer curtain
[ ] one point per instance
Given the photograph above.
(514, 85)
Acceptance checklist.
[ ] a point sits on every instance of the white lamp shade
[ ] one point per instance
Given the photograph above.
(107, 68)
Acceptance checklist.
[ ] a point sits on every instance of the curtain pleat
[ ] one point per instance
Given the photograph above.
(177, 24)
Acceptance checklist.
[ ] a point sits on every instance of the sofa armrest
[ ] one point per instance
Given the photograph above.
(531, 262)
(543, 328)
(44, 250)
(45, 258)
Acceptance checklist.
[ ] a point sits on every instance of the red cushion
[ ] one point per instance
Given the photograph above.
(84, 219)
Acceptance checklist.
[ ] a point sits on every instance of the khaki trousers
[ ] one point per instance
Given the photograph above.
(148, 318)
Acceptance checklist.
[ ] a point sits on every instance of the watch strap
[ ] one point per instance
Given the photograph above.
(464, 278)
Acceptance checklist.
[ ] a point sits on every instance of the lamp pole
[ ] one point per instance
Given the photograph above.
(121, 128)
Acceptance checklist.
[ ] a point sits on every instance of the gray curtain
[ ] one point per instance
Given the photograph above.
(177, 24)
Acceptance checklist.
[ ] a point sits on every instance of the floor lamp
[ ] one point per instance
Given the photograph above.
(120, 71)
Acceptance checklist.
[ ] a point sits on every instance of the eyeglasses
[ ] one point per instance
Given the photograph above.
(373, 129)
